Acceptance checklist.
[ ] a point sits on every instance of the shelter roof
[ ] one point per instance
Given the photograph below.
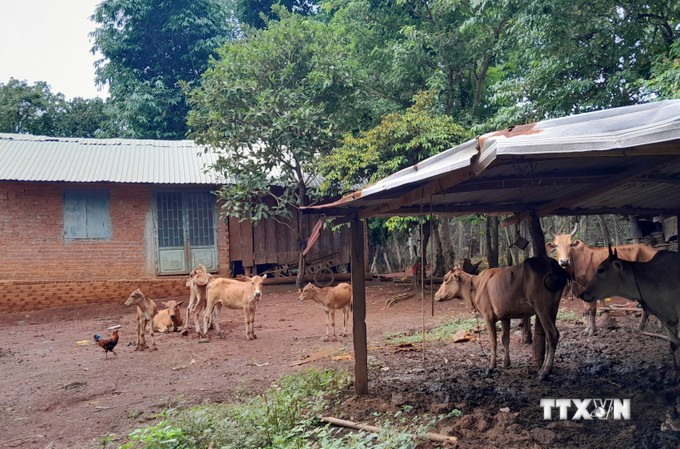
(623, 160)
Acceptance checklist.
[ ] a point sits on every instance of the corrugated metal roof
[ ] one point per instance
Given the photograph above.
(40, 158)
(578, 164)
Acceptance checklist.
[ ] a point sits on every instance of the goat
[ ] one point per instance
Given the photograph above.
(170, 318)
(330, 299)
(146, 311)
(233, 294)
(198, 284)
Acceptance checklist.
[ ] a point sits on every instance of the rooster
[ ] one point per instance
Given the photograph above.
(107, 343)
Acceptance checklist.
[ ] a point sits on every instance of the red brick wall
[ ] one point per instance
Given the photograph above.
(33, 251)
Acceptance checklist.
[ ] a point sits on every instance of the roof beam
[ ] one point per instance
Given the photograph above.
(613, 182)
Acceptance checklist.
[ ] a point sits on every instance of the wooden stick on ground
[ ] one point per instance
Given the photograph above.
(652, 334)
(438, 437)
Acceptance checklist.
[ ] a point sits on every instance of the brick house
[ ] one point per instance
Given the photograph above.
(85, 220)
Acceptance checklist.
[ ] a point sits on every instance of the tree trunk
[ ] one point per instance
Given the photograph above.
(400, 260)
(425, 238)
(387, 261)
(439, 267)
(447, 244)
(606, 240)
(491, 234)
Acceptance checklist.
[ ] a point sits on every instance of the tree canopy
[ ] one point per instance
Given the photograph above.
(35, 109)
(149, 47)
(273, 103)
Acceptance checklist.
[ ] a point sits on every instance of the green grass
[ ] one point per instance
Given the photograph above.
(567, 315)
(286, 416)
(442, 332)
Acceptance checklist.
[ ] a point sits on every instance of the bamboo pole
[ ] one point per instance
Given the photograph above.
(437, 437)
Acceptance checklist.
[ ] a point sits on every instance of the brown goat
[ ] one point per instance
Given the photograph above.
(499, 294)
(146, 311)
(330, 299)
(233, 294)
(170, 318)
(198, 284)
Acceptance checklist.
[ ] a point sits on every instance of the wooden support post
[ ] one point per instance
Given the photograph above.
(359, 307)
(538, 246)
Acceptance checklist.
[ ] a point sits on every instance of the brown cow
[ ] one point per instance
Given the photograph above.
(170, 318)
(198, 284)
(146, 311)
(581, 261)
(233, 294)
(654, 284)
(533, 287)
(330, 299)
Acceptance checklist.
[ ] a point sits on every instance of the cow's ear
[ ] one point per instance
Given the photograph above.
(456, 277)
(576, 242)
(180, 303)
(550, 247)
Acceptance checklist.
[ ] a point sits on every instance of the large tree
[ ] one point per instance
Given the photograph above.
(569, 57)
(29, 109)
(149, 48)
(271, 104)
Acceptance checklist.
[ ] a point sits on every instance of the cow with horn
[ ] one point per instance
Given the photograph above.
(581, 262)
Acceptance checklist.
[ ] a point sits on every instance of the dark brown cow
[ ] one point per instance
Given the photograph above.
(654, 284)
(581, 261)
(532, 288)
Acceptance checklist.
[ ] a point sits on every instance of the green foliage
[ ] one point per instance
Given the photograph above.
(440, 333)
(284, 417)
(271, 104)
(148, 48)
(278, 418)
(400, 140)
(665, 79)
(250, 12)
(34, 109)
(570, 57)
(29, 109)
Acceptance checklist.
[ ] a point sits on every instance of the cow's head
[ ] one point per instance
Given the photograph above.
(307, 292)
(135, 298)
(614, 277)
(452, 286)
(173, 308)
(199, 276)
(564, 244)
(256, 282)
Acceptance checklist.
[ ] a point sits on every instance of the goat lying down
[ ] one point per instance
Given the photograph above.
(170, 318)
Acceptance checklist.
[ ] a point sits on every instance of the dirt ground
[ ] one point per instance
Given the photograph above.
(59, 394)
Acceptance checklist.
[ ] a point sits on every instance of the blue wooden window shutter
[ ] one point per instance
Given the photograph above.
(86, 215)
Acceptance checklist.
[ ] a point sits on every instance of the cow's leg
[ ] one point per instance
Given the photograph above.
(591, 314)
(505, 338)
(327, 320)
(252, 322)
(491, 328)
(345, 319)
(335, 336)
(526, 331)
(207, 313)
(151, 336)
(552, 335)
(141, 339)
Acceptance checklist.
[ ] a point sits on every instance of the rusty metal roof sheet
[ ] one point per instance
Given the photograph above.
(620, 160)
(40, 158)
